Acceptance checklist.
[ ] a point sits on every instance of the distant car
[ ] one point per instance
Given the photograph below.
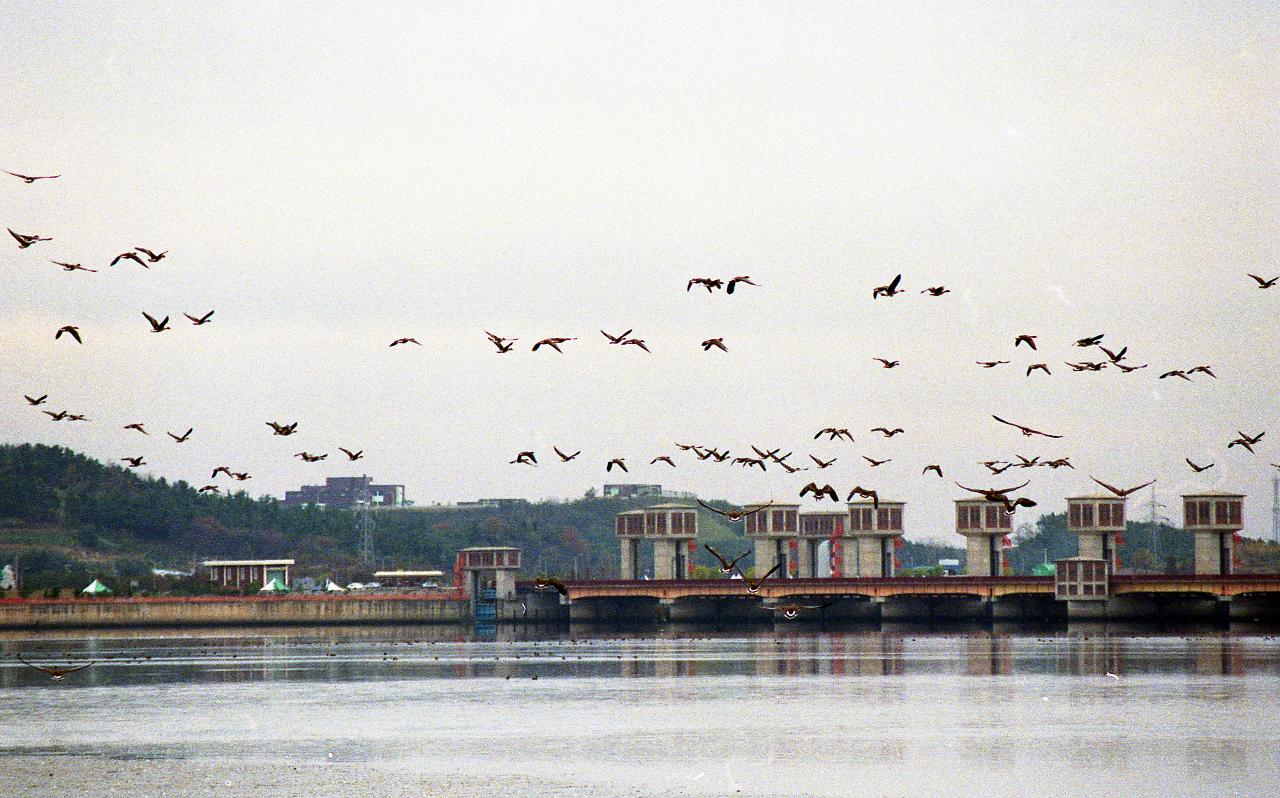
(355, 586)
(431, 585)
(373, 584)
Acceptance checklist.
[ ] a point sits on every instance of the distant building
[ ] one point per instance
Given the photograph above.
(238, 573)
(631, 491)
(344, 492)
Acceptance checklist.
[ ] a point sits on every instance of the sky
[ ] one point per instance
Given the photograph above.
(330, 177)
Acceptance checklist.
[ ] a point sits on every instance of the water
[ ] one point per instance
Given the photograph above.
(792, 712)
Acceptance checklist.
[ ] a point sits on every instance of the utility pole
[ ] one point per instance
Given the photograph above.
(365, 525)
(1155, 530)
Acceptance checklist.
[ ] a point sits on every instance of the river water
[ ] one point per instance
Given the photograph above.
(792, 711)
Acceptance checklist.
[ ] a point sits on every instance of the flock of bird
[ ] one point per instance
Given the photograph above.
(1095, 354)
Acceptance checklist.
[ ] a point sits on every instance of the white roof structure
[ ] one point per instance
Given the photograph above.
(334, 587)
(96, 588)
(247, 562)
(274, 586)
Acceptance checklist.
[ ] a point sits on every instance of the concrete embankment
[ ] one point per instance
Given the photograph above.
(235, 610)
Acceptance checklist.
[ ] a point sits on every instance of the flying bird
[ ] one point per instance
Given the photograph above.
(1261, 282)
(718, 343)
(56, 672)
(29, 179)
(744, 279)
(662, 459)
(726, 566)
(209, 489)
(399, 341)
(524, 458)
(1198, 468)
(1039, 367)
(1119, 492)
(152, 256)
(753, 585)
(616, 339)
(875, 463)
(832, 433)
(1000, 496)
(283, 429)
(157, 326)
(240, 476)
(564, 458)
(352, 455)
(69, 329)
(819, 492)
(133, 256)
(748, 462)
(1028, 431)
(635, 342)
(58, 416)
(220, 470)
(134, 462)
(1093, 340)
(888, 433)
(734, 515)
(791, 610)
(554, 343)
(1202, 370)
(1029, 340)
(865, 493)
(1115, 357)
(1176, 373)
(197, 321)
(548, 582)
(706, 282)
(937, 290)
(822, 464)
(990, 364)
(308, 457)
(937, 469)
(889, 290)
(37, 400)
(617, 461)
(72, 267)
(887, 363)
(182, 438)
(25, 241)
(1127, 369)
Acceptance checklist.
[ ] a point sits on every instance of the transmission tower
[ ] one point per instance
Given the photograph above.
(365, 526)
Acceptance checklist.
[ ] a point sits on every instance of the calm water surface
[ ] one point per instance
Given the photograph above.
(789, 712)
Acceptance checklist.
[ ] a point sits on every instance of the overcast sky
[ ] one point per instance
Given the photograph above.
(331, 177)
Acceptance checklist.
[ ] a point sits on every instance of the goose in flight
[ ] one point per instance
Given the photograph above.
(564, 458)
(399, 341)
(749, 462)
(554, 343)
(888, 433)
(791, 610)
(718, 343)
(1128, 369)
(197, 321)
(220, 470)
(821, 464)
(726, 566)
(58, 416)
(1028, 431)
(35, 401)
(706, 282)
(663, 458)
(635, 342)
(154, 257)
(819, 492)
(352, 456)
(889, 290)
(1115, 357)
(1039, 367)
(887, 363)
(180, 438)
(865, 493)
(753, 585)
(157, 326)
(1093, 340)
(744, 279)
(832, 433)
(25, 241)
(69, 329)
(990, 364)
(283, 429)
(1176, 373)
(1261, 282)
(937, 469)
(874, 462)
(616, 339)
(308, 457)
(1029, 340)
(134, 462)
(209, 489)
(937, 290)
(734, 515)
(72, 267)
(29, 179)
(133, 256)
(1198, 468)
(525, 458)
(55, 672)
(1122, 492)
(617, 461)
(549, 582)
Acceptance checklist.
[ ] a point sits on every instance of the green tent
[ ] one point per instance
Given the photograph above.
(274, 586)
(1044, 569)
(96, 588)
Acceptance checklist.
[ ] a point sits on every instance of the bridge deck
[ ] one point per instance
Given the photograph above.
(873, 587)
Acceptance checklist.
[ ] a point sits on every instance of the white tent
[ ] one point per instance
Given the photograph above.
(334, 587)
(274, 586)
(96, 588)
